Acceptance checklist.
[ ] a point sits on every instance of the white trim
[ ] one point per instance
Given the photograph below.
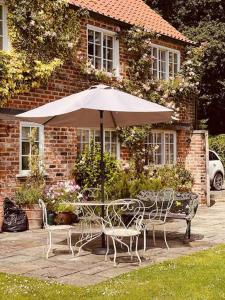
(4, 26)
(41, 145)
(159, 47)
(116, 60)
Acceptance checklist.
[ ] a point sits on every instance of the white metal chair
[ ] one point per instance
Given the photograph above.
(53, 228)
(118, 228)
(158, 214)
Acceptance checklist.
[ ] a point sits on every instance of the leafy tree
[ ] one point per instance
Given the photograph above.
(203, 21)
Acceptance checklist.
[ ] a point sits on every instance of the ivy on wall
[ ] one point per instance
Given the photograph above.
(43, 34)
(139, 80)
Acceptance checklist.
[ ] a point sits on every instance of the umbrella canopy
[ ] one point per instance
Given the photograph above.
(82, 110)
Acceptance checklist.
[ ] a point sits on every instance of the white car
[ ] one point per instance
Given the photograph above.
(216, 171)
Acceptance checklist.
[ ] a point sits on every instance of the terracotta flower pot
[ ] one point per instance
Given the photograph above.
(65, 218)
(34, 216)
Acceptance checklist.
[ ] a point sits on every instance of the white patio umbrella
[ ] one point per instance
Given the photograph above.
(99, 105)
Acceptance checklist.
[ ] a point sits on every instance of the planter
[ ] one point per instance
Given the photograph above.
(65, 218)
(34, 216)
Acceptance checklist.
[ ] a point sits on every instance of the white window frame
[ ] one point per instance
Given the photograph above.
(116, 61)
(41, 144)
(158, 47)
(106, 129)
(164, 132)
(5, 27)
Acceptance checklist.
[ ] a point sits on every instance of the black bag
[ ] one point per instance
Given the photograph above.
(15, 219)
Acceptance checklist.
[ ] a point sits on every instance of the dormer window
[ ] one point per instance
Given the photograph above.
(3, 28)
(103, 49)
(166, 62)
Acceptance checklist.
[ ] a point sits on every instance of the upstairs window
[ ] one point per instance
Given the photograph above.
(103, 50)
(3, 28)
(166, 62)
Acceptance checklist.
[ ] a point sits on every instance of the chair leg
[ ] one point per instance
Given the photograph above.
(145, 242)
(153, 235)
(131, 246)
(164, 229)
(49, 243)
(107, 249)
(70, 242)
(137, 254)
(114, 245)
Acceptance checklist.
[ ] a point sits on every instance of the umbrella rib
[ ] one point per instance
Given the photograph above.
(48, 120)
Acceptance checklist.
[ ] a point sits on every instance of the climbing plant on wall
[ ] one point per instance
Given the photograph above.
(43, 34)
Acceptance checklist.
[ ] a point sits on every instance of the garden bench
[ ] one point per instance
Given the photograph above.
(184, 207)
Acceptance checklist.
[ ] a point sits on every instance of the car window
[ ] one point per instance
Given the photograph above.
(212, 156)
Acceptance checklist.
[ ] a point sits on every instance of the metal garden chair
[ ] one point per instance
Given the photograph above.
(157, 216)
(117, 227)
(53, 228)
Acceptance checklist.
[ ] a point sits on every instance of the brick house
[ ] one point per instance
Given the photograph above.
(179, 142)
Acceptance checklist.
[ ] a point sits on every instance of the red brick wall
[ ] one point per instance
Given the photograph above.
(196, 162)
(60, 143)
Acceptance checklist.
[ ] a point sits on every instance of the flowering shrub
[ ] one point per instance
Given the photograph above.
(128, 183)
(59, 195)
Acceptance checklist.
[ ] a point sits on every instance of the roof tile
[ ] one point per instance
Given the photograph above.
(133, 12)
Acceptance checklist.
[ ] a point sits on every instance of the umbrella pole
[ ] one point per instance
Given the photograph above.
(102, 250)
(102, 168)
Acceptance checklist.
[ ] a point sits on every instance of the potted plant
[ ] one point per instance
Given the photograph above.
(60, 198)
(27, 197)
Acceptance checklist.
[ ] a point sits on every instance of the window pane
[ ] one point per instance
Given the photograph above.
(98, 38)
(98, 50)
(35, 149)
(105, 41)
(90, 49)
(107, 136)
(1, 43)
(175, 58)
(163, 55)
(85, 136)
(25, 163)
(90, 36)
(26, 133)
(105, 53)
(1, 12)
(98, 64)
(107, 147)
(175, 69)
(110, 54)
(109, 66)
(113, 150)
(114, 136)
(25, 148)
(97, 136)
(36, 131)
(109, 42)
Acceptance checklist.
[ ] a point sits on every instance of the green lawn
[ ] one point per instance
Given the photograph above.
(199, 276)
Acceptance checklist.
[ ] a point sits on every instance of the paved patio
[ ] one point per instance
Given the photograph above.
(23, 253)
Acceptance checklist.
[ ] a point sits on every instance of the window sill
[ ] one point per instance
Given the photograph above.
(23, 176)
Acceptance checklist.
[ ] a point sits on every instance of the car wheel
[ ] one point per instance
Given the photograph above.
(218, 181)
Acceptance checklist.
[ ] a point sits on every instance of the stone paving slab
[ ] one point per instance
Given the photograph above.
(23, 253)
